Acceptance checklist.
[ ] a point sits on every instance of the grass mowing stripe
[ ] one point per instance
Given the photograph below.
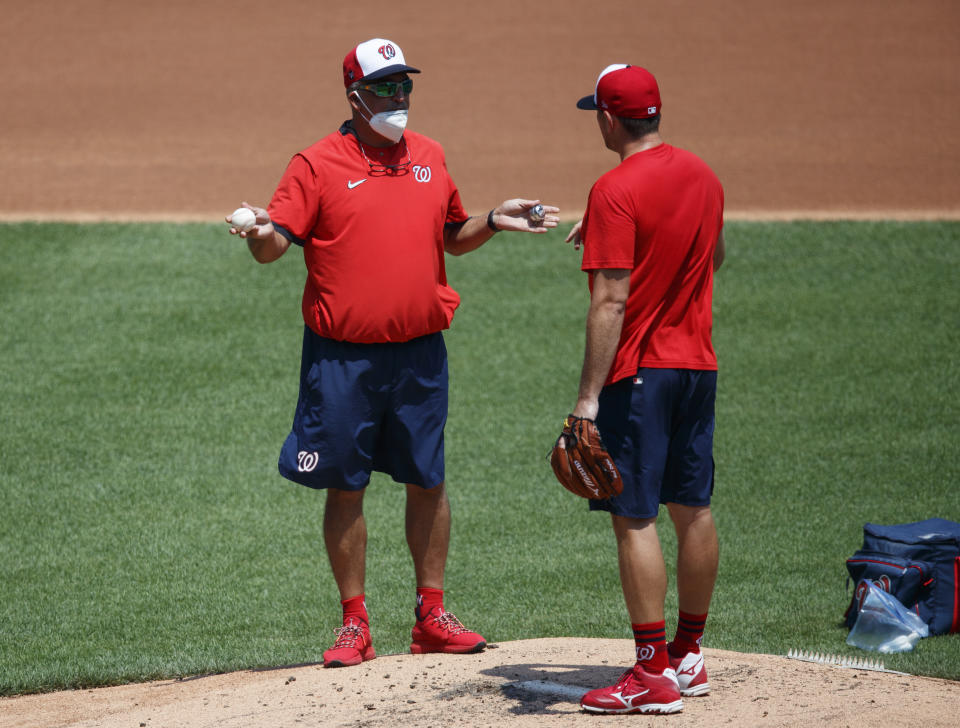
(149, 374)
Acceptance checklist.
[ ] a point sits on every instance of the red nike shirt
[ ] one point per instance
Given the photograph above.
(372, 242)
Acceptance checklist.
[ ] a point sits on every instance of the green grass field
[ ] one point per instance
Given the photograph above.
(147, 380)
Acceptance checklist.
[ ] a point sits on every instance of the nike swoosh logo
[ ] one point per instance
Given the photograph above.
(351, 184)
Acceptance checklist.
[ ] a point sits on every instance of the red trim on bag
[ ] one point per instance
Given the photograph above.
(955, 627)
(887, 563)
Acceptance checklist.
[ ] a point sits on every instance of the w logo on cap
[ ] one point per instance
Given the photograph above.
(374, 59)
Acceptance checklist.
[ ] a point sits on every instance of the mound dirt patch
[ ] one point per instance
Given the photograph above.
(522, 683)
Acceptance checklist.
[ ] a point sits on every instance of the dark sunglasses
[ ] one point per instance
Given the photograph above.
(387, 89)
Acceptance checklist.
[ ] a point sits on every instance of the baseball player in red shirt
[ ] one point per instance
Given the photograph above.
(652, 238)
(374, 209)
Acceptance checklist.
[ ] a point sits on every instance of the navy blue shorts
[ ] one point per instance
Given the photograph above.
(658, 426)
(365, 407)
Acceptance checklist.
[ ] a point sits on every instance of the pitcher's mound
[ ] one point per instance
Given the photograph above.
(524, 683)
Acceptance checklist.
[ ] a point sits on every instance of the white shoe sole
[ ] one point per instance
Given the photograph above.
(662, 708)
(695, 691)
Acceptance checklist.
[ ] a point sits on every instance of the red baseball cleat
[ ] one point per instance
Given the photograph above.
(352, 647)
(691, 674)
(440, 631)
(637, 691)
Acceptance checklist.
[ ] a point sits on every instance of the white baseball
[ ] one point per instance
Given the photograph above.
(243, 219)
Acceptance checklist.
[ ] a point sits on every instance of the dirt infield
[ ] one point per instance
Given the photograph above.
(524, 683)
(183, 109)
(180, 110)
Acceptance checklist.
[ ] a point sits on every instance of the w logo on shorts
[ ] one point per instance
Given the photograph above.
(307, 461)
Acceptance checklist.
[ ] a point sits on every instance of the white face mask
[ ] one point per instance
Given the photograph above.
(389, 124)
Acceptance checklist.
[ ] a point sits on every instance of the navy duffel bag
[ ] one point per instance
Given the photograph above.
(918, 563)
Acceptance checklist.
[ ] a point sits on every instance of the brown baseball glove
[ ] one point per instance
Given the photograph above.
(581, 462)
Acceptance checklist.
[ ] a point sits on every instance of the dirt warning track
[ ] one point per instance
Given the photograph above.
(183, 109)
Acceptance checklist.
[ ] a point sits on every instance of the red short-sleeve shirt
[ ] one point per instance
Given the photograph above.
(658, 214)
(372, 242)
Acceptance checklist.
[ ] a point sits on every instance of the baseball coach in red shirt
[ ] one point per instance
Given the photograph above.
(375, 210)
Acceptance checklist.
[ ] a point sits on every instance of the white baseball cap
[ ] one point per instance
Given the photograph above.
(374, 59)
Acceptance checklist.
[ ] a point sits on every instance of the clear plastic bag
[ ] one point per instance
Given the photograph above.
(885, 625)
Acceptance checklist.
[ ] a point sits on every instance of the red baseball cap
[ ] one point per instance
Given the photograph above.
(374, 59)
(627, 91)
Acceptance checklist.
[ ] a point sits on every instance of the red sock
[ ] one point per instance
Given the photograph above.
(427, 600)
(689, 634)
(651, 640)
(355, 607)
